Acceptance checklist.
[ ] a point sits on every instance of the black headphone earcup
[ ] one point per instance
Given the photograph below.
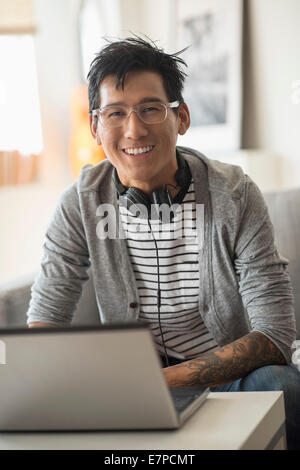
(137, 199)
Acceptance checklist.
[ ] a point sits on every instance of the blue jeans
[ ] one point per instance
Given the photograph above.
(271, 378)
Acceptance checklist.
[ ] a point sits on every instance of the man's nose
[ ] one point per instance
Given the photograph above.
(134, 127)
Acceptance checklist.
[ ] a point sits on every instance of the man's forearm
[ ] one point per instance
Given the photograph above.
(227, 363)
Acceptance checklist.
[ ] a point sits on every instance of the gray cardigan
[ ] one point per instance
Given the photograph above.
(244, 283)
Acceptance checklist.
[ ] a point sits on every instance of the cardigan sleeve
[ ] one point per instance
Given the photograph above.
(264, 281)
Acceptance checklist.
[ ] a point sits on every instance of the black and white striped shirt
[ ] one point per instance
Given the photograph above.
(184, 332)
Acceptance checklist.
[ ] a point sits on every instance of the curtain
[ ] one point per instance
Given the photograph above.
(17, 17)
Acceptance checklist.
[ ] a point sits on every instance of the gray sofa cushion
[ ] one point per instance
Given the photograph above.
(15, 297)
(14, 301)
(284, 210)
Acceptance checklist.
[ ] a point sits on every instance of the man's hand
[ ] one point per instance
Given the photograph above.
(40, 325)
(226, 364)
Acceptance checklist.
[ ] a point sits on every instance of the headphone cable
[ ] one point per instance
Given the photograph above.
(158, 298)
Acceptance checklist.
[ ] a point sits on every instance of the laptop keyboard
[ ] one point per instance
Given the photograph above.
(184, 396)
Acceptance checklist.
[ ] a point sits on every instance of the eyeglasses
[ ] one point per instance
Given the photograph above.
(153, 112)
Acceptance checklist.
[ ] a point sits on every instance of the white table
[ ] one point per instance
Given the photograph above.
(229, 420)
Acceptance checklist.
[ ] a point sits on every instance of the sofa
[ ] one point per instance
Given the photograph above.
(284, 210)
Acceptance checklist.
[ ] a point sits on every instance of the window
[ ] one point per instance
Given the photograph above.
(20, 121)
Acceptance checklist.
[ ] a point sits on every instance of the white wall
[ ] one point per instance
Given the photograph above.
(153, 18)
(272, 121)
(25, 213)
(58, 67)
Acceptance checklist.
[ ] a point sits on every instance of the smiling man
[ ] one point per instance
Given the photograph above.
(219, 301)
(144, 155)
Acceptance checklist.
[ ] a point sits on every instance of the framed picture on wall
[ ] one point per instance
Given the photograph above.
(213, 30)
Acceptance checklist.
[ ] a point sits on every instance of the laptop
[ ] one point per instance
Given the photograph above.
(88, 378)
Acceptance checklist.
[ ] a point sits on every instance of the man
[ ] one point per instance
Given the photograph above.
(219, 302)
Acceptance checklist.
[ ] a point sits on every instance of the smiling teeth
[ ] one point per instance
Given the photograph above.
(138, 151)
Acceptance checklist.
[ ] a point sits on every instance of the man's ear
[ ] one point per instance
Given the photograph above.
(93, 127)
(184, 118)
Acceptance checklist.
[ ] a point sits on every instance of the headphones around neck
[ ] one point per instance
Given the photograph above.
(134, 198)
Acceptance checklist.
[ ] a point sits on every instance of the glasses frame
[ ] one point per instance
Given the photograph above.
(173, 104)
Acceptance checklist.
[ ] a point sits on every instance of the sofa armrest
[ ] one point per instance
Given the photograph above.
(14, 301)
(15, 297)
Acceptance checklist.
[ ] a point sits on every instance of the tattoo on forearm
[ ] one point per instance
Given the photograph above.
(230, 362)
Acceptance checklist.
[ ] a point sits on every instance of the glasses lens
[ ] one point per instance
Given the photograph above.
(113, 116)
(152, 113)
